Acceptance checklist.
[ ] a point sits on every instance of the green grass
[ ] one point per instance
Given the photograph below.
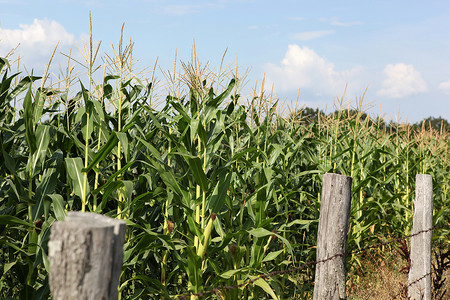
(167, 163)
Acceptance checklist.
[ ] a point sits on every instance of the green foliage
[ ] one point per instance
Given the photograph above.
(435, 123)
(214, 192)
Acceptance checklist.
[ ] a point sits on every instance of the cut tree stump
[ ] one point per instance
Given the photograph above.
(86, 254)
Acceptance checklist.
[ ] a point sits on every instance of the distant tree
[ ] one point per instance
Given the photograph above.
(435, 123)
(308, 115)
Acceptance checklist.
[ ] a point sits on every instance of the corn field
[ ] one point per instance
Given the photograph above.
(216, 188)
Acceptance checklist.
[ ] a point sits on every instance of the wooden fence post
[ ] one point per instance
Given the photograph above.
(418, 280)
(85, 253)
(332, 237)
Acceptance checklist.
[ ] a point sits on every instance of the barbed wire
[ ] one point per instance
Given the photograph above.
(404, 289)
(217, 290)
(399, 239)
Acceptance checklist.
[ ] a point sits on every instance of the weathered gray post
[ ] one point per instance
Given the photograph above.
(419, 282)
(85, 253)
(332, 237)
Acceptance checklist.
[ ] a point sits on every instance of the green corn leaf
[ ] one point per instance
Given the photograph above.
(113, 186)
(87, 122)
(262, 232)
(194, 227)
(265, 286)
(122, 136)
(132, 121)
(110, 77)
(4, 62)
(5, 85)
(249, 206)
(151, 148)
(58, 206)
(241, 154)
(113, 177)
(9, 161)
(167, 176)
(219, 99)
(202, 134)
(103, 152)
(304, 224)
(87, 102)
(48, 183)
(275, 153)
(182, 111)
(194, 129)
(129, 188)
(43, 292)
(195, 101)
(196, 167)
(17, 190)
(39, 101)
(43, 134)
(193, 269)
(272, 255)
(108, 91)
(219, 194)
(8, 266)
(29, 125)
(80, 146)
(12, 220)
(74, 167)
(230, 273)
(22, 86)
(108, 189)
(99, 111)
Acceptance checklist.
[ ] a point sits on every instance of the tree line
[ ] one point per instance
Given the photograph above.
(311, 115)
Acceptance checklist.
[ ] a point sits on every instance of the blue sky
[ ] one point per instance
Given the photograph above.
(398, 50)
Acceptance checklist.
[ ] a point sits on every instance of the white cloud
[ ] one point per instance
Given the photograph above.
(37, 41)
(303, 68)
(402, 80)
(310, 35)
(445, 86)
(41, 35)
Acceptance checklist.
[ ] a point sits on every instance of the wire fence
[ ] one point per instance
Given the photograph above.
(217, 290)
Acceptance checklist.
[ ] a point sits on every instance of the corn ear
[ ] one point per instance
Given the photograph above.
(207, 236)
